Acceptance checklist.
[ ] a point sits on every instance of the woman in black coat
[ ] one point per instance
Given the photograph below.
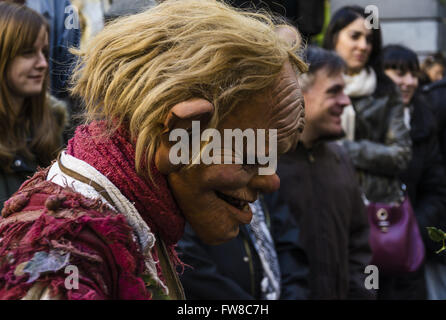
(425, 177)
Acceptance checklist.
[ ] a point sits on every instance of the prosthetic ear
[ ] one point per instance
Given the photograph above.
(180, 117)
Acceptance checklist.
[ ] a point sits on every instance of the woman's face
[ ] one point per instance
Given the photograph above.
(26, 72)
(435, 72)
(354, 45)
(407, 82)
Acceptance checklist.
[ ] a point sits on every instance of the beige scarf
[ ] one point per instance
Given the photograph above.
(358, 85)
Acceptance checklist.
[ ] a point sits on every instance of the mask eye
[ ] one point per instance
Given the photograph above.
(249, 167)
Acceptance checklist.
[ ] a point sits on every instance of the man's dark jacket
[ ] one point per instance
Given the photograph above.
(426, 185)
(233, 270)
(435, 93)
(425, 177)
(321, 190)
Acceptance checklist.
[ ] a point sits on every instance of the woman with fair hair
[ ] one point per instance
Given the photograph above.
(30, 127)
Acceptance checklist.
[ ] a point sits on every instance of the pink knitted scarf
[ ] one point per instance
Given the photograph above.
(114, 157)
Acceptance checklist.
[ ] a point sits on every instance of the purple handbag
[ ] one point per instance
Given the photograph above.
(395, 240)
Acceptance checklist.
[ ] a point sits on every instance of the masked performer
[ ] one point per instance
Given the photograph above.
(102, 221)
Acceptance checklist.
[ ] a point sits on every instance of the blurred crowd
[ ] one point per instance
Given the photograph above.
(372, 154)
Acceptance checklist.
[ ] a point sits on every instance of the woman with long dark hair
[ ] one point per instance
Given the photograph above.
(377, 138)
(31, 123)
(379, 143)
(425, 177)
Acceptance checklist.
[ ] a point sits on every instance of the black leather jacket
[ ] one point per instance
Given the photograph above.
(382, 146)
(11, 181)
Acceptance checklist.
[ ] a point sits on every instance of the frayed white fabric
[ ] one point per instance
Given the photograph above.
(359, 85)
(58, 177)
(141, 230)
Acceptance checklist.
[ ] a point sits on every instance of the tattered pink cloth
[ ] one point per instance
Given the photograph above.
(45, 228)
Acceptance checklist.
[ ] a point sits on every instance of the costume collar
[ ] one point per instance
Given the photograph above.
(114, 157)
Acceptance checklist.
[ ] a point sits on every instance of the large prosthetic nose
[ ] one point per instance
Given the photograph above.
(180, 117)
(265, 184)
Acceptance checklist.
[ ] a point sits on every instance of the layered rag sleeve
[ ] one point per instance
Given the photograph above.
(57, 244)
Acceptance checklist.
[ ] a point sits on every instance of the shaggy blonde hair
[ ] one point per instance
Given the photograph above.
(135, 70)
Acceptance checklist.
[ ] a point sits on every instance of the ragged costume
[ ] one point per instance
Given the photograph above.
(52, 222)
(103, 220)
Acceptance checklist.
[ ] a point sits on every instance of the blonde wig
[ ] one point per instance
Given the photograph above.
(139, 67)
(28, 130)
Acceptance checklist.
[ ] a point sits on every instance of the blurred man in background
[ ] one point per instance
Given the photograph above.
(318, 184)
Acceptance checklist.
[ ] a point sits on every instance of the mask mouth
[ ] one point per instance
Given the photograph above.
(301, 125)
(301, 121)
(242, 205)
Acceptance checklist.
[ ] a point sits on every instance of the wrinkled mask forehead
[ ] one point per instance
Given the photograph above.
(288, 112)
(268, 124)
